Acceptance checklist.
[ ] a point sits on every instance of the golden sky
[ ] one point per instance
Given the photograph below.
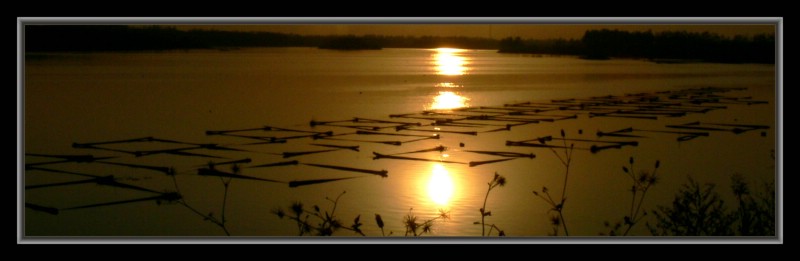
(538, 31)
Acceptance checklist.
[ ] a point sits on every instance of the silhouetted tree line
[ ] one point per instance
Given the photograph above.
(126, 38)
(42, 38)
(380, 41)
(438, 41)
(668, 45)
(352, 42)
(595, 44)
(548, 46)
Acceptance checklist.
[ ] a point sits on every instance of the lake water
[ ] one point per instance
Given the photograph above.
(84, 98)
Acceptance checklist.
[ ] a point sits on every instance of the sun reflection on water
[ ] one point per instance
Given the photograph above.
(440, 185)
(448, 61)
(447, 85)
(447, 100)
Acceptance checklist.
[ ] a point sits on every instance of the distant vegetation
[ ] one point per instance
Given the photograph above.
(352, 42)
(668, 46)
(537, 46)
(83, 38)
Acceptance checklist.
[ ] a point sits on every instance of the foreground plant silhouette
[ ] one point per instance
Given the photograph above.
(420, 228)
(496, 181)
(698, 211)
(327, 223)
(558, 206)
(756, 212)
(219, 221)
(379, 222)
(641, 183)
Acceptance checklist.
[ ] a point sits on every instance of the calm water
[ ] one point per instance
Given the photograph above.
(179, 95)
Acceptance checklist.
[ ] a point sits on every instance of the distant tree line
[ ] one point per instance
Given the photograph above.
(81, 38)
(125, 38)
(538, 46)
(595, 44)
(352, 42)
(381, 41)
(668, 45)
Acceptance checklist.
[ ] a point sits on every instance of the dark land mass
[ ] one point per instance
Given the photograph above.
(82, 38)
(663, 47)
(352, 42)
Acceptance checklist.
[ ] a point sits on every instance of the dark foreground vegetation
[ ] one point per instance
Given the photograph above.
(698, 210)
(666, 47)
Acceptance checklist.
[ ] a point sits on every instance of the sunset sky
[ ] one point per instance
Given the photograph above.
(537, 31)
